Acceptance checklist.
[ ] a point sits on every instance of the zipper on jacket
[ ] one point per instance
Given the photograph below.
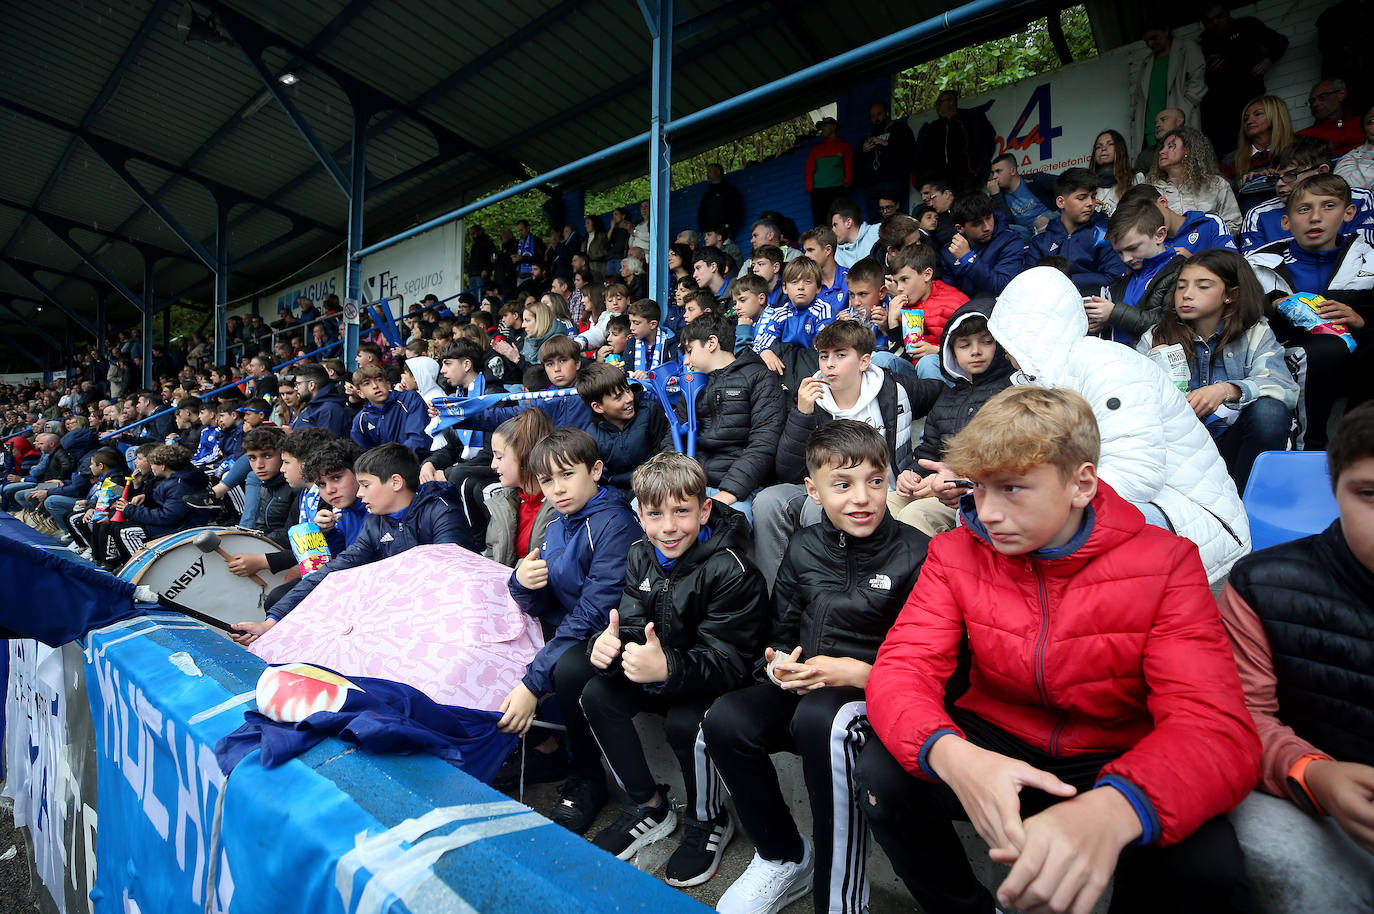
(1042, 637)
(815, 647)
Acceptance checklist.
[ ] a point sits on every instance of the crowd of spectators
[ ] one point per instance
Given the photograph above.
(1016, 420)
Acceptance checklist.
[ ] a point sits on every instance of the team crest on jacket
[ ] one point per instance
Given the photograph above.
(880, 582)
(1193, 236)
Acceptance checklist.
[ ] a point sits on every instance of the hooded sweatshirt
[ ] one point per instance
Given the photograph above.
(326, 409)
(1154, 451)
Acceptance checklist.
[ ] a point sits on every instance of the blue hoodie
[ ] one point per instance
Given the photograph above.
(326, 409)
(986, 268)
(1092, 262)
(587, 554)
(79, 443)
(435, 515)
(402, 418)
(1201, 232)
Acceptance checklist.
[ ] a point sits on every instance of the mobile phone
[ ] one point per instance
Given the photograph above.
(961, 483)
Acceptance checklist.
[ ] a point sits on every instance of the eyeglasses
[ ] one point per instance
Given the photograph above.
(1295, 175)
(1318, 96)
(887, 209)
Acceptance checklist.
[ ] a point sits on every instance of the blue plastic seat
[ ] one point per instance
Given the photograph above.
(1288, 497)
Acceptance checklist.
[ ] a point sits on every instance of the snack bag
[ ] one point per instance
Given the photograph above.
(1301, 310)
(308, 543)
(1174, 361)
(913, 328)
(104, 497)
(616, 359)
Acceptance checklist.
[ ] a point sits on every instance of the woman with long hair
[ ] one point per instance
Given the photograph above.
(1239, 385)
(679, 260)
(1113, 166)
(517, 510)
(540, 326)
(1186, 174)
(596, 245)
(1265, 129)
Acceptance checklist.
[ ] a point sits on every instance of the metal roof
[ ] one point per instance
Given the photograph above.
(469, 96)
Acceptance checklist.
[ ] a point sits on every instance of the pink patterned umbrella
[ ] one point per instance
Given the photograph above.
(439, 618)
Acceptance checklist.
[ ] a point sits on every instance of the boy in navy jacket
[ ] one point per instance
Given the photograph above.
(402, 514)
(985, 253)
(389, 415)
(570, 586)
(1080, 233)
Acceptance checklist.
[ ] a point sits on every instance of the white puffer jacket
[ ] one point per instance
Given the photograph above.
(1153, 447)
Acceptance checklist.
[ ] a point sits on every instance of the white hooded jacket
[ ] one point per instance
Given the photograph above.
(1154, 449)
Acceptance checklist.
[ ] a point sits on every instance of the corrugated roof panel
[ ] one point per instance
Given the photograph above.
(298, 22)
(27, 165)
(266, 139)
(88, 191)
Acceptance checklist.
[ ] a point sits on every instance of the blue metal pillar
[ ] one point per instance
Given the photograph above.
(353, 280)
(659, 16)
(221, 314)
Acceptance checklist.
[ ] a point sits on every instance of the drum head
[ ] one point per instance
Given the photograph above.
(181, 573)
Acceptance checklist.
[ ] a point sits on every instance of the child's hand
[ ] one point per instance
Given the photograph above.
(137, 499)
(834, 671)
(517, 711)
(808, 392)
(640, 375)
(90, 513)
(1069, 854)
(432, 410)
(770, 358)
(878, 315)
(219, 489)
(603, 352)
(894, 310)
(251, 631)
(958, 247)
(1340, 314)
(941, 483)
(607, 645)
(532, 572)
(781, 668)
(989, 786)
(325, 519)
(645, 662)
(1205, 400)
(745, 319)
(922, 348)
(430, 473)
(1098, 310)
(120, 504)
(909, 483)
(247, 563)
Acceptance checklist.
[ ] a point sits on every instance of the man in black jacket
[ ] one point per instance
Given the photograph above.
(721, 205)
(957, 146)
(886, 159)
(323, 405)
(1239, 52)
(740, 412)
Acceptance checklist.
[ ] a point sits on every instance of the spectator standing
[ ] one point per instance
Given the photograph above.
(1171, 75)
(886, 158)
(596, 245)
(1238, 53)
(957, 146)
(721, 207)
(829, 170)
(619, 238)
(481, 258)
(1330, 119)
(639, 235)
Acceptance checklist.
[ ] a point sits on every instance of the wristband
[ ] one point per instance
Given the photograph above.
(1297, 783)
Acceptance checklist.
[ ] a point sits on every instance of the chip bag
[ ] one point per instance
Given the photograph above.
(1300, 309)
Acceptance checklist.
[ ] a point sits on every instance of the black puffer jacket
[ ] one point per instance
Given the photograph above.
(838, 595)
(1316, 602)
(709, 612)
(901, 400)
(956, 405)
(1146, 312)
(277, 511)
(740, 416)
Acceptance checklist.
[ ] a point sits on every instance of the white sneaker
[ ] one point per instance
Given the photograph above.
(74, 546)
(766, 887)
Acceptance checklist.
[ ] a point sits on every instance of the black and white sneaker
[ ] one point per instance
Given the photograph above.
(637, 827)
(579, 803)
(698, 856)
(204, 501)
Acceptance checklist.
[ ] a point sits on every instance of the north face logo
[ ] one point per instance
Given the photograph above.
(880, 582)
(644, 585)
(386, 538)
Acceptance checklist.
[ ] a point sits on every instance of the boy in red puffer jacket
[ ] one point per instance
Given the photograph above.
(1103, 731)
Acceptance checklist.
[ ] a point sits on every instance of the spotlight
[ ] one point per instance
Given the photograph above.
(288, 79)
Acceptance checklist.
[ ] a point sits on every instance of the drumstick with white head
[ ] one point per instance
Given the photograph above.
(209, 542)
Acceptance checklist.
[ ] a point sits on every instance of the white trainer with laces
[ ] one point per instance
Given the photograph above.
(766, 887)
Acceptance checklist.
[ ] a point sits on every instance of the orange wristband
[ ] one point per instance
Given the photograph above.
(1297, 783)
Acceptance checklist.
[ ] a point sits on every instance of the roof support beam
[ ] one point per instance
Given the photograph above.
(28, 272)
(106, 93)
(14, 347)
(59, 225)
(99, 268)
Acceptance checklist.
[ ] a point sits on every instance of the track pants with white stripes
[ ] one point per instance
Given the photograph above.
(827, 728)
(610, 704)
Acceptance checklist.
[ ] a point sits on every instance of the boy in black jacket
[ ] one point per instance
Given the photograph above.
(740, 413)
(691, 616)
(840, 587)
(847, 386)
(978, 369)
(1136, 301)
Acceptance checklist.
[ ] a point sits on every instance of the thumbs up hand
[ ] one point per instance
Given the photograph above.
(532, 572)
(607, 645)
(645, 662)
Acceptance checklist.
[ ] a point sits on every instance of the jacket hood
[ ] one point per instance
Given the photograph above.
(426, 372)
(430, 492)
(1056, 229)
(26, 449)
(1038, 318)
(329, 393)
(871, 382)
(997, 370)
(1109, 521)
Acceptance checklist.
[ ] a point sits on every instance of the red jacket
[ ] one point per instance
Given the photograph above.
(939, 307)
(831, 146)
(1115, 645)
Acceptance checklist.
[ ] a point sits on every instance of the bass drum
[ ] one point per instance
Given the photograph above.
(176, 568)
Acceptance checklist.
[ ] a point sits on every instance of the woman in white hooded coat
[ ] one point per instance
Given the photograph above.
(1155, 452)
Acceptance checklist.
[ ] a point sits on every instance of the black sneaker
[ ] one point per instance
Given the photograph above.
(698, 856)
(540, 768)
(204, 501)
(579, 803)
(637, 827)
